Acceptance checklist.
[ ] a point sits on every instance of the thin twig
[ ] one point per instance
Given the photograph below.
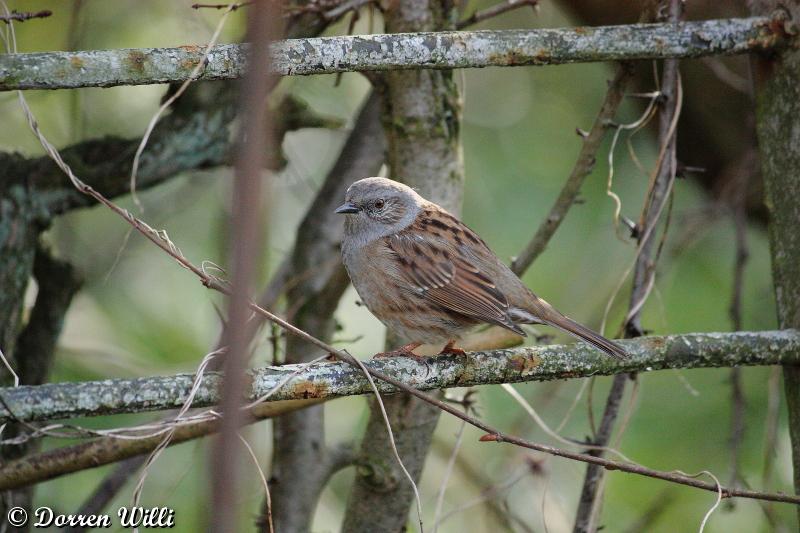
(495, 10)
(771, 424)
(588, 508)
(343, 8)
(447, 473)
(16, 16)
(230, 7)
(264, 483)
(738, 402)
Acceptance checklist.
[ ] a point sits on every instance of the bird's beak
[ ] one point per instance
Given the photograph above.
(346, 208)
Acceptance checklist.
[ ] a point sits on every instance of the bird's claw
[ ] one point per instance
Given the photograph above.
(407, 350)
(451, 349)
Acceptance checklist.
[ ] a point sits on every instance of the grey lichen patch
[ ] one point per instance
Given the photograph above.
(523, 364)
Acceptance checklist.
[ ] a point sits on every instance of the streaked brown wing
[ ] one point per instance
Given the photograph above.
(441, 273)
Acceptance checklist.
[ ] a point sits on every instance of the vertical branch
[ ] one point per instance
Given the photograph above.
(777, 124)
(19, 230)
(245, 246)
(590, 501)
(299, 438)
(422, 113)
(35, 347)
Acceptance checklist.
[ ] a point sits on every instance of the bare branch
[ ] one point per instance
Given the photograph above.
(495, 10)
(66, 460)
(232, 7)
(442, 50)
(16, 16)
(582, 168)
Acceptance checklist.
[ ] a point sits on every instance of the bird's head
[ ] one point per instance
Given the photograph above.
(377, 207)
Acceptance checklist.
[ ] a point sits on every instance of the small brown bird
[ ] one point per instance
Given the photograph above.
(429, 278)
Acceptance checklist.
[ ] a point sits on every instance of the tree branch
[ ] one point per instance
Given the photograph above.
(17, 16)
(777, 112)
(98, 452)
(191, 137)
(441, 50)
(326, 380)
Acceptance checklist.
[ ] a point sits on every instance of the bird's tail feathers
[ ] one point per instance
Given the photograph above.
(595, 339)
(548, 315)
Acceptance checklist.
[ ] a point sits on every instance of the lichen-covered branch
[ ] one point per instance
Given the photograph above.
(328, 379)
(325, 55)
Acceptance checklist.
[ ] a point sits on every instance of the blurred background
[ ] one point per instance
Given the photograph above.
(139, 314)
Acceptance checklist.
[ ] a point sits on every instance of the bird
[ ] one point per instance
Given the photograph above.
(429, 278)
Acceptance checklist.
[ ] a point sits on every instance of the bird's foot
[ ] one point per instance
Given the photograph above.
(451, 349)
(407, 350)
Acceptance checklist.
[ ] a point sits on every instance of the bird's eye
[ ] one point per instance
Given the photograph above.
(379, 203)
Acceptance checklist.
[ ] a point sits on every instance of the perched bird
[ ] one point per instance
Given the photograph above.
(429, 278)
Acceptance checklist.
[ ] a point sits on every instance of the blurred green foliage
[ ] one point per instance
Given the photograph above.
(147, 316)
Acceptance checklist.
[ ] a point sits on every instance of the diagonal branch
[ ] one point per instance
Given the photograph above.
(580, 171)
(440, 50)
